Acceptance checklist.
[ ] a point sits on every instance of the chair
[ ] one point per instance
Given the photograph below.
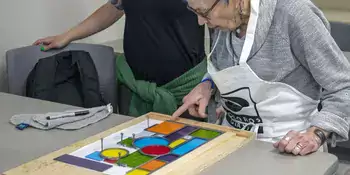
(341, 35)
(21, 61)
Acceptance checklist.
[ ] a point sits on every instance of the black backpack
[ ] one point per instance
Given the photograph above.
(69, 77)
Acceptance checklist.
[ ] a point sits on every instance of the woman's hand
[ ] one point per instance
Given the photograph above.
(196, 101)
(299, 143)
(53, 42)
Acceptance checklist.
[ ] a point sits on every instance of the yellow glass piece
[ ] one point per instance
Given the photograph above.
(176, 143)
(138, 172)
(114, 153)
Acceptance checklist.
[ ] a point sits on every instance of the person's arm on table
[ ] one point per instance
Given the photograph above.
(101, 19)
(317, 51)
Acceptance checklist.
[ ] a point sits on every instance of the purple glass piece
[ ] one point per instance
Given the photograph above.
(168, 158)
(186, 130)
(85, 163)
(180, 133)
(174, 136)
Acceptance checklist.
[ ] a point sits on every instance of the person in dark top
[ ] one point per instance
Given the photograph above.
(162, 42)
(166, 31)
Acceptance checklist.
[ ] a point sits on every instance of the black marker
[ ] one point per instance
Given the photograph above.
(72, 114)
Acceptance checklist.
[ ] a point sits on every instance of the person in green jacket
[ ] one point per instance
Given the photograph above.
(163, 52)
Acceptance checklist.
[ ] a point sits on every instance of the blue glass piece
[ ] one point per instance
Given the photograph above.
(147, 141)
(188, 146)
(94, 156)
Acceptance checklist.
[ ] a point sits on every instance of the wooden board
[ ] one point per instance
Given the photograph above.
(191, 163)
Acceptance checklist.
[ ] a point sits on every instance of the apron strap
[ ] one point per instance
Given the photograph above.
(215, 44)
(250, 33)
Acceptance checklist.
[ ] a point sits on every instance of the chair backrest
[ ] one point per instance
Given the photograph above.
(21, 61)
(341, 35)
(347, 54)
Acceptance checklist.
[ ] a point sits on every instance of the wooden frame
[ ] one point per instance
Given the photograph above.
(191, 163)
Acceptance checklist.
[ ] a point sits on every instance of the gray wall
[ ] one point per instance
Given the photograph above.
(22, 22)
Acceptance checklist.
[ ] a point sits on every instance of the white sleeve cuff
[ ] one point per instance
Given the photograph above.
(206, 76)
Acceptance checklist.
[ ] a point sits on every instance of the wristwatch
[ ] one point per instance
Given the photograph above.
(321, 137)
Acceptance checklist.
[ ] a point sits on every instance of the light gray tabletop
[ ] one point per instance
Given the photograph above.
(261, 158)
(18, 147)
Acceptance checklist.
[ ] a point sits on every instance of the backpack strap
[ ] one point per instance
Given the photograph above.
(89, 78)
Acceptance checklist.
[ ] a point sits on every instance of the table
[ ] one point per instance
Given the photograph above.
(261, 158)
(18, 147)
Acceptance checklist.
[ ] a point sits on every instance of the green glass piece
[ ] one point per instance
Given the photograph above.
(135, 159)
(205, 134)
(126, 142)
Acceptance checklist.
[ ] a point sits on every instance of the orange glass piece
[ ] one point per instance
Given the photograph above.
(153, 165)
(166, 127)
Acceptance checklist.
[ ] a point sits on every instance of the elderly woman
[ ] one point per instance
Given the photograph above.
(272, 63)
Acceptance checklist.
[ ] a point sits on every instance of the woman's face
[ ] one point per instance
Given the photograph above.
(215, 13)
